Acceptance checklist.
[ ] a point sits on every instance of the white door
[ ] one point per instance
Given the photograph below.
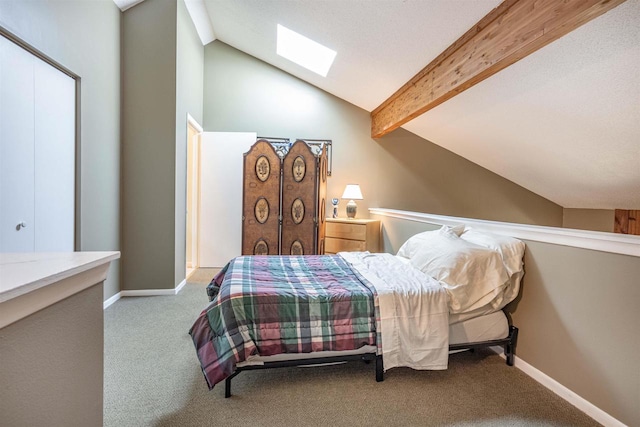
(55, 106)
(221, 168)
(37, 153)
(16, 148)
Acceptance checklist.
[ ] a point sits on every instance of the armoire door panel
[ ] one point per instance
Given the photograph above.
(322, 201)
(299, 201)
(261, 200)
(16, 148)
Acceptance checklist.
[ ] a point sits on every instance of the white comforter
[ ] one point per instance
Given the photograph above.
(414, 311)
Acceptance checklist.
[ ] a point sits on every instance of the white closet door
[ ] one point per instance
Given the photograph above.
(37, 153)
(54, 159)
(221, 168)
(16, 148)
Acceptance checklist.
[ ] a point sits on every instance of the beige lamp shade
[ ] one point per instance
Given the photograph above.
(352, 192)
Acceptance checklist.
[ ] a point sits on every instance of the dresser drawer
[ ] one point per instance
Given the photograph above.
(333, 245)
(345, 230)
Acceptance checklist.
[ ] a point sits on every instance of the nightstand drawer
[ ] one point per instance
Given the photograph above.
(333, 245)
(352, 235)
(345, 230)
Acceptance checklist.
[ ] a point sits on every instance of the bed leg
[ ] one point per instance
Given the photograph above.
(227, 384)
(367, 358)
(227, 387)
(510, 347)
(379, 369)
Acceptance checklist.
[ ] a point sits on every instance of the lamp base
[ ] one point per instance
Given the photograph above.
(351, 209)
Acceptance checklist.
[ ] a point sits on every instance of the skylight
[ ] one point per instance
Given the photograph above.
(304, 52)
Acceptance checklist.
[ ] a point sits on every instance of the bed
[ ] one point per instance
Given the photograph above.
(443, 291)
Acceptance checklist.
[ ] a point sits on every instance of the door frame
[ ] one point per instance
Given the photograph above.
(4, 32)
(193, 176)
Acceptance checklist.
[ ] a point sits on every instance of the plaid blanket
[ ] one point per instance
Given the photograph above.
(266, 305)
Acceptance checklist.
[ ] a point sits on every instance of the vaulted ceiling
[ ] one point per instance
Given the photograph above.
(564, 122)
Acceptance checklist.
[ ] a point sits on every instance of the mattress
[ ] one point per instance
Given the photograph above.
(492, 326)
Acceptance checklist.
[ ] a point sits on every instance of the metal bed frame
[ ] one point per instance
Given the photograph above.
(508, 343)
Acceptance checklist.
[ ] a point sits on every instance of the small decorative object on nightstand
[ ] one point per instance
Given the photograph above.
(352, 192)
(335, 202)
(352, 235)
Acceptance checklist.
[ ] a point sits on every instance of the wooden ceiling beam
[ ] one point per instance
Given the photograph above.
(511, 31)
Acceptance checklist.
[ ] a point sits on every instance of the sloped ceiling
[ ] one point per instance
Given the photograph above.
(381, 43)
(564, 122)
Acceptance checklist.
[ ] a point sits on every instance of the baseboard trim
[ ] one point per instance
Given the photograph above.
(111, 300)
(148, 292)
(570, 396)
(180, 286)
(143, 293)
(153, 292)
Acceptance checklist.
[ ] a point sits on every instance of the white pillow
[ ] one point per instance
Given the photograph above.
(458, 229)
(416, 241)
(512, 252)
(511, 249)
(472, 275)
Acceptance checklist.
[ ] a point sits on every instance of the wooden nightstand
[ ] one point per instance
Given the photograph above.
(352, 235)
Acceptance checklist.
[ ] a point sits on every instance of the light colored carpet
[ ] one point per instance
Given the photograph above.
(202, 275)
(152, 378)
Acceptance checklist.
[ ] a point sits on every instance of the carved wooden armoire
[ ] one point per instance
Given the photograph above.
(283, 203)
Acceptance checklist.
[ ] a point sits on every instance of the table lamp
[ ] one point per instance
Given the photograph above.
(352, 192)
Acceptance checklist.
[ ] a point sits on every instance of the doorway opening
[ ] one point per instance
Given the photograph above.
(194, 131)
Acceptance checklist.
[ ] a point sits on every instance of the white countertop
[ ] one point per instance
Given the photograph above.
(22, 273)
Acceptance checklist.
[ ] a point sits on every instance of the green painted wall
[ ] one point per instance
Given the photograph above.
(162, 83)
(589, 219)
(401, 170)
(148, 145)
(52, 364)
(189, 88)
